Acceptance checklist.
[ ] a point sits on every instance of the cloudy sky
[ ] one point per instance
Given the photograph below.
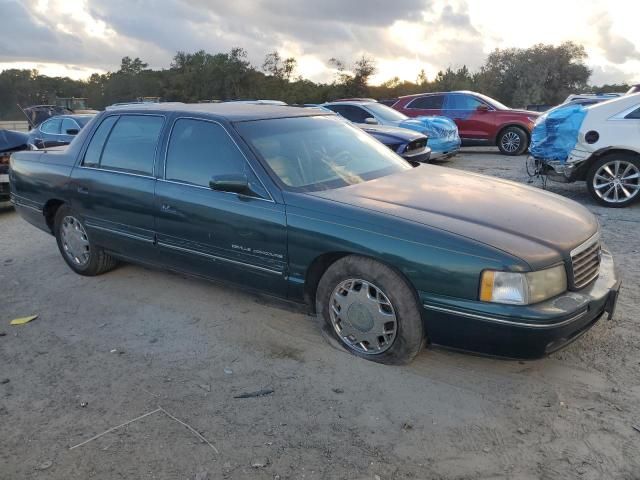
(78, 37)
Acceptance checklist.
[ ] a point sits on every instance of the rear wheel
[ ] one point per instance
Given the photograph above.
(371, 310)
(614, 180)
(75, 245)
(513, 141)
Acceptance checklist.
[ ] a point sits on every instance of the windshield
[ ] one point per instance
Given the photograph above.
(387, 114)
(492, 101)
(319, 153)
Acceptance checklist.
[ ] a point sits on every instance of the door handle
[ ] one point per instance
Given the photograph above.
(83, 190)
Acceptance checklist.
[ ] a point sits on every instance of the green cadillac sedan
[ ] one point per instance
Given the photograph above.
(298, 204)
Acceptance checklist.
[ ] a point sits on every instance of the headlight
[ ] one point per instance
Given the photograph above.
(522, 288)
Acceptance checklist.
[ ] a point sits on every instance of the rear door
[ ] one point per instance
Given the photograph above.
(113, 184)
(239, 238)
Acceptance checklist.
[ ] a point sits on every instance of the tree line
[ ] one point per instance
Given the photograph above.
(541, 74)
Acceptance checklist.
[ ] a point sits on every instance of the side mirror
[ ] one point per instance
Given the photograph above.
(370, 121)
(72, 131)
(482, 108)
(235, 182)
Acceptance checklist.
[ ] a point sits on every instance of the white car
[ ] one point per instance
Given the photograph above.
(607, 152)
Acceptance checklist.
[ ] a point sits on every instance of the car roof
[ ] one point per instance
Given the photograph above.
(232, 111)
(438, 93)
(351, 102)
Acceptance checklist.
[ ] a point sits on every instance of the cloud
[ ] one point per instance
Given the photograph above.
(617, 49)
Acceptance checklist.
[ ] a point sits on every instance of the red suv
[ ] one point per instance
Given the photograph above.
(481, 120)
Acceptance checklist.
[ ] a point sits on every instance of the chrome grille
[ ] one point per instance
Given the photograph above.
(585, 262)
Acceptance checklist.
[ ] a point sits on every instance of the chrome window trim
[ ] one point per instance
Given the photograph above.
(47, 121)
(123, 234)
(215, 257)
(505, 322)
(166, 153)
(61, 120)
(117, 171)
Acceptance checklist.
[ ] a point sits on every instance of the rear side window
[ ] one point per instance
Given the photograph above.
(51, 126)
(131, 145)
(198, 150)
(634, 115)
(94, 150)
(430, 102)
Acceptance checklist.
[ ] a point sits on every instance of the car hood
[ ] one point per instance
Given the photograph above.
(37, 114)
(11, 141)
(536, 226)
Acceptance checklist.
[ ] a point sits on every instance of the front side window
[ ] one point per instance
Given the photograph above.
(387, 114)
(51, 126)
(350, 112)
(319, 153)
(199, 150)
(132, 143)
(68, 124)
(462, 102)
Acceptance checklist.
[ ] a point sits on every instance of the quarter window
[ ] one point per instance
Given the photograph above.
(429, 102)
(635, 115)
(199, 150)
(94, 150)
(131, 145)
(51, 126)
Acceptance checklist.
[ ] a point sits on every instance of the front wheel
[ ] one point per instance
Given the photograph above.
(614, 180)
(371, 310)
(75, 245)
(513, 141)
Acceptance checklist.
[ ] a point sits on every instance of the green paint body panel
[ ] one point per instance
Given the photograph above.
(438, 227)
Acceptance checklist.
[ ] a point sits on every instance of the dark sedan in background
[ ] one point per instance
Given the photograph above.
(58, 130)
(300, 204)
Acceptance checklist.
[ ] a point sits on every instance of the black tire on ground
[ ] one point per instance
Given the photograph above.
(632, 186)
(513, 141)
(99, 261)
(410, 336)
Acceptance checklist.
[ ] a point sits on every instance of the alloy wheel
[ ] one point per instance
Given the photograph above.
(363, 317)
(510, 142)
(75, 242)
(617, 181)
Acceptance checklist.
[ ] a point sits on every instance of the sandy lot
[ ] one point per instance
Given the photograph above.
(109, 349)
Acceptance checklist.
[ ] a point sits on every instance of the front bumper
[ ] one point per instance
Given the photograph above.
(423, 155)
(444, 155)
(566, 171)
(513, 331)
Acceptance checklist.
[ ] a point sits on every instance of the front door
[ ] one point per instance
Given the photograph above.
(113, 185)
(473, 124)
(235, 237)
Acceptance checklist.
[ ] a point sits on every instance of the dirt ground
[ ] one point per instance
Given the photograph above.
(109, 349)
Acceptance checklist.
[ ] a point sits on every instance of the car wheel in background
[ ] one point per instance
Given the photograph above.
(75, 245)
(513, 141)
(371, 310)
(614, 180)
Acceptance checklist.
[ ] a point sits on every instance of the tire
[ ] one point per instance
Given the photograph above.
(75, 246)
(620, 189)
(362, 299)
(513, 141)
